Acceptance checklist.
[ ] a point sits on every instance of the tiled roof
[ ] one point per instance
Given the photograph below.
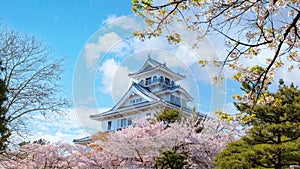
(146, 92)
(177, 87)
(152, 64)
(82, 140)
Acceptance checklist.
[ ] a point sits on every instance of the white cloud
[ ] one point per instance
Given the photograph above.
(105, 43)
(110, 19)
(74, 125)
(226, 107)
(62, 128)
(114, 78)
(190, 55)
(125, 22)
(186, 55)
(88, 101)
(230, 108)
(288, 77)
(58, 136)
(83, 116)
(155, 43)
(260, 60)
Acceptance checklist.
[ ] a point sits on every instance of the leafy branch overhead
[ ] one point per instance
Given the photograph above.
(249, 28)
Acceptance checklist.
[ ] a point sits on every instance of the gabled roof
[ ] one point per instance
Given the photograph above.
(139, 90)
(152, 65)
(131, 109)
(134, 89)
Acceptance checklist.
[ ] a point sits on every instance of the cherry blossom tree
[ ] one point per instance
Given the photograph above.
(32, 77)
(57, 155)
(266, 29)
(141, 146)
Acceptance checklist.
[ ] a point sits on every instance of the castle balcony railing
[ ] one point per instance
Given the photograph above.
(163, 82)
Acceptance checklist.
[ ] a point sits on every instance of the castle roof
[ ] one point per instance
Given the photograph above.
(135, 88)
(139, 97)
(150, 100)
(152, 65)
(83, 140)
(177, 89)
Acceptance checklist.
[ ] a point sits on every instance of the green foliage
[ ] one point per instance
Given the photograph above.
(40, 141)
(168, 115)
(234, 156)
(273, 140)
(172, 115)
(4, 130)
(171, 159)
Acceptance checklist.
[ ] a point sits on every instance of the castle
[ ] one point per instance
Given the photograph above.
(155, 87)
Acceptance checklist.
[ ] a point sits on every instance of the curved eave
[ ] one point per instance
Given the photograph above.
(174, 106)
(123, 110)
(179, 89)
(82, 140)
(145, 92)
(175, 76)
(141, 91)
(185, 92)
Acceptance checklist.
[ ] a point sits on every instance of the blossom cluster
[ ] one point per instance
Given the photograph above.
(133, 147)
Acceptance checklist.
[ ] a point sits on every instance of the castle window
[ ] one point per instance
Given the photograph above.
(129, 121)
(167, 81)
(161, 79)
(123, 122)
(109, 125)
(175, 100)
(183, 103)
(139, 100)
(154, 78)
(134, 101)
(148, 81)
(172, 83)
(141, 82)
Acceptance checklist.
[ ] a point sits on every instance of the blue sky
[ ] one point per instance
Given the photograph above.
(95, 37)
(65, 26)
(81, 31)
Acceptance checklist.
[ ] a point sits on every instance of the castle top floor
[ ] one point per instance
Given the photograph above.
(154, 72)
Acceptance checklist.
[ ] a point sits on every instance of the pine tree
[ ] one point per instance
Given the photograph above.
(273, 140)
(171, 159)
(168, 115)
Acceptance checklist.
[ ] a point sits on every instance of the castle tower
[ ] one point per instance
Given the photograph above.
(155, 87)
